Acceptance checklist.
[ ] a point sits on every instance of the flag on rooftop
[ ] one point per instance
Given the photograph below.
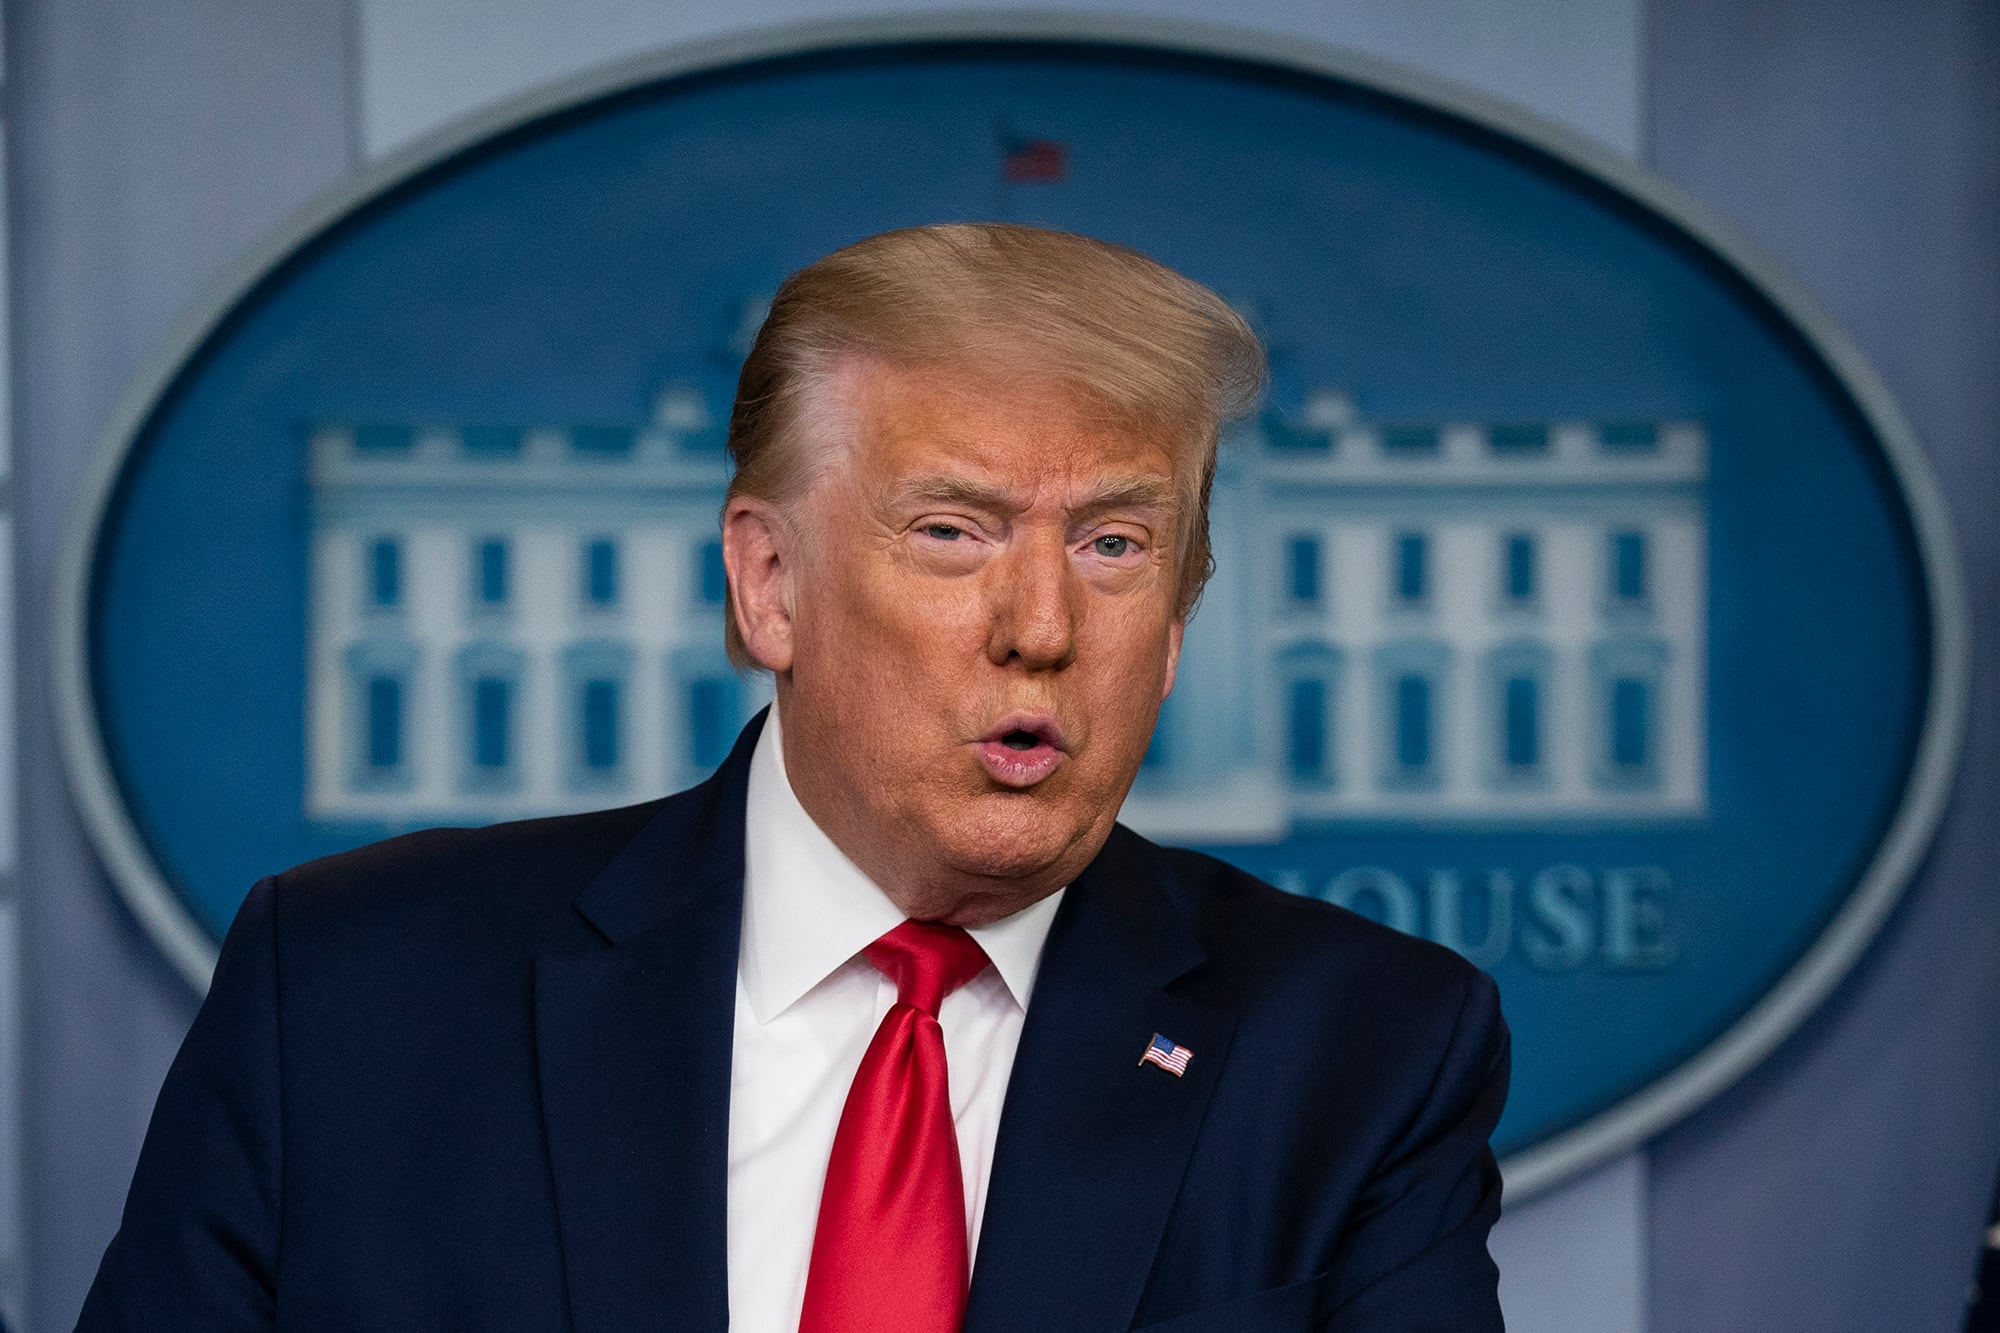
(1033, 161)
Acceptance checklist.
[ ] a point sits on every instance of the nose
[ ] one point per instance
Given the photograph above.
(1034, 601)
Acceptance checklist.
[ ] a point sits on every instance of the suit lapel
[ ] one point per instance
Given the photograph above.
(1092, 1144)
(633, 1042)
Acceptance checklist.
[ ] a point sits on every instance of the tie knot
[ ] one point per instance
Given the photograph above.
(927, 962)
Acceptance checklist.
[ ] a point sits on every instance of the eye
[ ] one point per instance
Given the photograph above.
(943, 532)
(1112, 546)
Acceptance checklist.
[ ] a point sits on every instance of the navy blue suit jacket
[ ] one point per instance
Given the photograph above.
(480, 1080)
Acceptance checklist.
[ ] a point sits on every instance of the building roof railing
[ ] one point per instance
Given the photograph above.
(1471, 453)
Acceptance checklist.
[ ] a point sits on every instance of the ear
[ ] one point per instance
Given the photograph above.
(1174, 633)
(758, 552)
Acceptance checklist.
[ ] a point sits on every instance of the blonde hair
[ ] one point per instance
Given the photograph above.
(1156, 352)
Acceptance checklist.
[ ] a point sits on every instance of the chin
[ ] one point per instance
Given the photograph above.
(1007, 842)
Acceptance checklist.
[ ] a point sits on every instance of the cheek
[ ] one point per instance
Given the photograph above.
(872, 633)
(1129, 656)
(1131, 637)
(882, 593)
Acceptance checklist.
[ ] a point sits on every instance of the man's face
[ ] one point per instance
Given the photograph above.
(983, 624)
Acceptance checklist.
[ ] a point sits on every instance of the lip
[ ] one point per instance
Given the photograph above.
(1022, 769)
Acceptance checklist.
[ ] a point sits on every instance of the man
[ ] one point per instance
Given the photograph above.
(887, 1025)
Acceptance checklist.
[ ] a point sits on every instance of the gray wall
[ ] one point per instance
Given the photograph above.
(150, 144)
(1839, 1187)
(1843, 1185)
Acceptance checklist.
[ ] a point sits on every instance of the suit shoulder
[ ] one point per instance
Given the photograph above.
(516, 864)
(1259, 931)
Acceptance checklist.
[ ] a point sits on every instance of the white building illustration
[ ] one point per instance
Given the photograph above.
(510, 622)
(1457, 623)
(1453, 623)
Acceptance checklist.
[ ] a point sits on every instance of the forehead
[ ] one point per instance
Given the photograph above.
(1013, 429)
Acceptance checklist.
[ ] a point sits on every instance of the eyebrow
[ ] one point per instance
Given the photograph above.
(942, 488)
(1141, 492)
(1144, 492)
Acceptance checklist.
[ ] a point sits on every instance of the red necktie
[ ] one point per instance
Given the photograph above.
(890, 1249)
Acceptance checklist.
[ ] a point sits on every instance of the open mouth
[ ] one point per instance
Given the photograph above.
(1022, 750)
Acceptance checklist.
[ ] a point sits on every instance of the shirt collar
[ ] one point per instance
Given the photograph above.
(808, 909)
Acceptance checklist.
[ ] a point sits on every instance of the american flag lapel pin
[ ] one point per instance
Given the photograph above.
(1167, 1054)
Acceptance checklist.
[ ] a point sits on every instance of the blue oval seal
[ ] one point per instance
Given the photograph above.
(1582, 601)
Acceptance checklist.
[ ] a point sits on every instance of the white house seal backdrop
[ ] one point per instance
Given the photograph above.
(1581, 601)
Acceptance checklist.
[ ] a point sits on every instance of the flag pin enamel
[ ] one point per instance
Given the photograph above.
(1167, 1054)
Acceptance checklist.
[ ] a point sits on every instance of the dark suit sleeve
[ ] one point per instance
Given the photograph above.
(198, 1244)
(1414, 1257)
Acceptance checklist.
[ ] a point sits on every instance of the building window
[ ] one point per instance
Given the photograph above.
(1309, 678)
(1413, 722)
(597, 672)
(1631, 725)
(1412, 678)
(1302, 570)
(599, 725)
(385, 573)
(1629, 677)
(600, 572)
(1412, 568)
(492, 722)
(490, 572)
(1523, 727)
(1519, 568)
(1305, 735)
(1517, 675)
(710, 703)
(489, 677)
(712, 707)
(711, 578)
(378, 703)
(385, 723)
(1628, 568)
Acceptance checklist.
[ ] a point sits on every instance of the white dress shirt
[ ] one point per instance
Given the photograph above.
(807, 1005)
